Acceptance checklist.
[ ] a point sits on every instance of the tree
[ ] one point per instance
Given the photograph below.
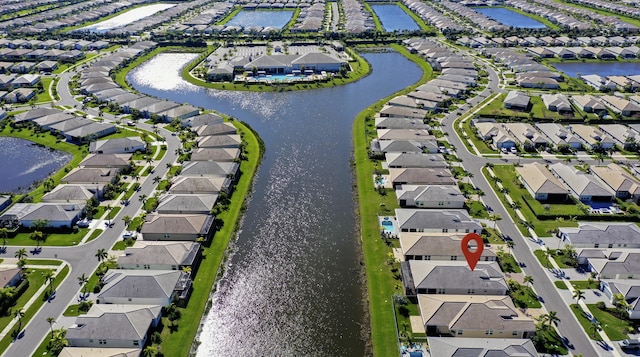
(51, 321)
(19, 314)
(173, 314)
(58, 341)
(4, 234)
(157, 179)
(510, 244)
(83, 280)
(495, 218)
(37, 236)
(21, 253)
(578, 295)
(595, 327)
(127, 220)
(150, 351)
(101, 254)
(143, 198)
(552, 318)
(40, 224)
(528, 279)
(49, 277)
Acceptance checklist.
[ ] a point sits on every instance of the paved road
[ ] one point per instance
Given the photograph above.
(81, 258)
(569, 326)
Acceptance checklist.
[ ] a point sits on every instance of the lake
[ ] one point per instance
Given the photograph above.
(23, 163)
(394, 18)
(293, 285)
(509, 17)
(261, 18)
(126, 18)
(605, 68)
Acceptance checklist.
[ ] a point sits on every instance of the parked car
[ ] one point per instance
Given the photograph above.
(630, 344)
(129, 235)
(514, 150)
(83, 223)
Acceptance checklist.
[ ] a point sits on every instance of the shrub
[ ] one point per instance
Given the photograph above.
(601, 305)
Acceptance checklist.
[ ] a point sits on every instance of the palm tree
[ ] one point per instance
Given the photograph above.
(101, 254)
(51, 321)
(83, 280)
(58, 341)
(127, 220)
(578, 295)
(143, 199)
(150, 351)
(19, 314)
(37, 236)
(494, 218)
(21, 253)
(552, 318)
(528, 279)
(594, 327)
(4, 234)
(157, 179)
(50, 276)
(510, 244)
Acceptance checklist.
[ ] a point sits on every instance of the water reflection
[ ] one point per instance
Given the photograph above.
(260, 18)
(23, 163)
(126, 18)
(293, 285)
(393, 18)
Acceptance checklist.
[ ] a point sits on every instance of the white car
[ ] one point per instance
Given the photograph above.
(129, 235)
(514, 150)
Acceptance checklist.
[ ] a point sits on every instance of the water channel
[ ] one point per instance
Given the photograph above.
(23, 163)
(292, 287)
(261, 18)
(393, 18)
(509, 17)
(604, 68)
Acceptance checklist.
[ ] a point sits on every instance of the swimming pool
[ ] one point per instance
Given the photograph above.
(387, 225)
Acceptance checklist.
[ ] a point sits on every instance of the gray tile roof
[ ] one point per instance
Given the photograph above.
(160, 253)
(481, 347)
(114, 322)
(603, 233)
(451, 219)
(120, 283)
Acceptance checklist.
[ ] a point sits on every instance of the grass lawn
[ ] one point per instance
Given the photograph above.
(560, 284)
(53, 239)
(403, 312)
(122, 244)
(584, 284)
(508, 263)
(381, 284)
(173, 343)
(615, 328)
(44, 96)
(585, 322)
(95, 234)
(523, 296)
(36, 280)
(542, 257)
(491, 236)
(482, 146)
(72, 310)
(543, 228)
(477, 210)
(554, 343)
(43, 262)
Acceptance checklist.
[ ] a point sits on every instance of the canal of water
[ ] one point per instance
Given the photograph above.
(23, 162)
(393, 18)
(293, 285)
(126, 18)
(261, 18)
(509, 17)
(604, 68)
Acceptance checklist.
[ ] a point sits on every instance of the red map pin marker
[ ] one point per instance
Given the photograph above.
(472, 257)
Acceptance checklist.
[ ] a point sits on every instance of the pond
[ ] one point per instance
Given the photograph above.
(509, 17)
(293, 285)
(23, 163)
(605, 68)
(126, 18)
(394, 18)
(261, 18)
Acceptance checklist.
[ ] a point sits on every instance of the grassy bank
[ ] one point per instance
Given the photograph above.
(381, 284)
(175, 343)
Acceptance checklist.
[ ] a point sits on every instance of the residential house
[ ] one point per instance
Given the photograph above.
(624, 184)
(144, 287)
(20, 95)
(118, 146)
(481, 347)
(215, 154)
(56, 215)
(400, 123)
(624, 84)
(516, 101)
(215, 129)
(119, 161)
(494, 132)
(394, 111)
(418, 160)
(430, 196)
(526, 135)
(593, 138)
(630, 291)
(10, 275)
(583, 186)
(620, 105)
(436, 221)
(219, 141)
(434, 277)
(421, 176)
(485, 316)
(419, 246)
(202, 119)
(200, 185)
(601, 235)
(557, 103)
(186, 204)
(404, 134)
(589, 104)
(598, 82)
(177, 227)
(559, 135)
(616, 265)
(90, 176)
(69, 194)
(624, 136)
(161, 256)
(117, 326)
(209, 168)
(541, 183)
